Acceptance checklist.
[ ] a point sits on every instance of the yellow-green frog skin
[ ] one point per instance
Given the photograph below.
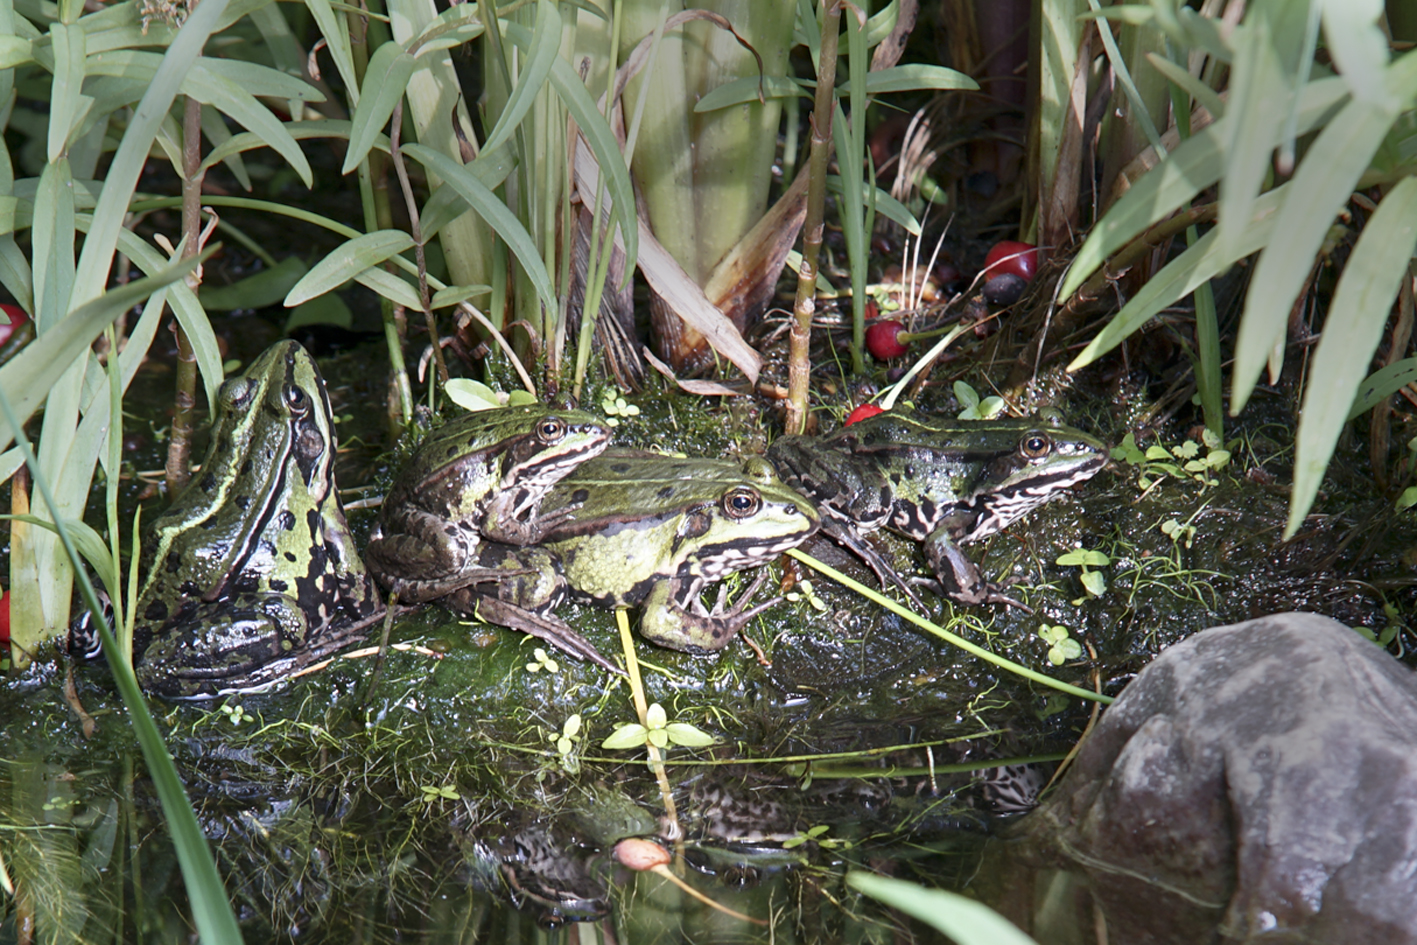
(253, 574)
(941, 481)
(656, 530)
(480, 476)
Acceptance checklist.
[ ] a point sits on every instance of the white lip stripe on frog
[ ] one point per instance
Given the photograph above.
(1002, 509)
(726, 559)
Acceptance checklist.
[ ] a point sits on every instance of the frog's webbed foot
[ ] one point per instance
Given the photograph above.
(676, 618)
(423, 557)
(524, 523)
(546, 627)
(735, 618)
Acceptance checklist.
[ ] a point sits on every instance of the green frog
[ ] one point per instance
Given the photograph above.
(482, 475)
(656, 530)
(253, 572)
(939, 481)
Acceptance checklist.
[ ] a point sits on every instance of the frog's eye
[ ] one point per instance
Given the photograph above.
(297, 400)
(741, 502)
(551, 429)
(1036, 445)
(235, 394)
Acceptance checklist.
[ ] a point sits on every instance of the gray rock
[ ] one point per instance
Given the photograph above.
(1256, 783)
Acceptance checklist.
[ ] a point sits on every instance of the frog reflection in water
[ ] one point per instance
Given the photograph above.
(652, 530)
(940, 481)
(253, 574)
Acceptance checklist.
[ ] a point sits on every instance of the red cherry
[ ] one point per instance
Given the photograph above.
(5, 620)
(862, 412)
(882, 340)
(1011, 256)
(17, 318)
(873, 311)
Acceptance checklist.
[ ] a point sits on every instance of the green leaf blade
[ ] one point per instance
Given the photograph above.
(1361, 304)
(385, 81)
(347, 261)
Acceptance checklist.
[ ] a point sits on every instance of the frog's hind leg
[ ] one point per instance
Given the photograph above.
(546, 627)
(850, 538)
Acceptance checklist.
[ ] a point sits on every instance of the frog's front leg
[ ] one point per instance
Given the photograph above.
(696, 629)
(960, 578)
(423, 556)
(514, 518)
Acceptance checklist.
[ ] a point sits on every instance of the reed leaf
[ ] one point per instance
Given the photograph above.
(1361, 303)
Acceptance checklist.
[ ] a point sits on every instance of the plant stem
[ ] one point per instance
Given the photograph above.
(637, 693)
(945, 635)
(378, 215)
(799, 365)
(179, 444)
(395, 155)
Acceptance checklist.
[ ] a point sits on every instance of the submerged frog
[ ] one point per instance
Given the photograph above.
(253, 572)
(654, 530)
(940, 481)
(482, 475)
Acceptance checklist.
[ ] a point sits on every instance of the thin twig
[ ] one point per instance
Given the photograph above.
(424, 296)
(799, 340)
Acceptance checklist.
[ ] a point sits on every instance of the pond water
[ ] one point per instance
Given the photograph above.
(450, 801)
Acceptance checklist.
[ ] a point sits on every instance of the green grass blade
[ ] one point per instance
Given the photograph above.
(211, 88)
(913, 77)
(256, 79)
(886, 205)
(346, 262)
(1382, 384)
(943, 634)
(68, 46)
(52, 243)
(26, 381)
(1320, 187)
(336, 34)
(458, 24)
(391, 287)
(495, 212)
(967, 921)
(1196, 164)
(269, 286)
(385, 82)
(1359, 49)
(603, 144)
(1191, 85)
(185, 307)
(744, 90)
(1359, 311)
(299, 130)
(1261, 90)
(1201, 261)
(96, 260)
(541, 55)
(850, 141)
(211, 909)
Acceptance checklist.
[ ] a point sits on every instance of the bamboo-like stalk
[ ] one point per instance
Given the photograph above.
(179, 443)
(378, 215)
(804, 307)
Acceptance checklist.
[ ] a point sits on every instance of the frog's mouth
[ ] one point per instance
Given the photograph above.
(727, 557)
(1003, 506)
